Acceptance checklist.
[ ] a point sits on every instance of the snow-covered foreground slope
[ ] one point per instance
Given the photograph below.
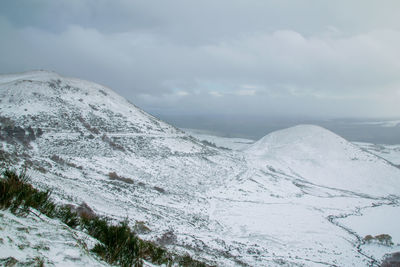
(31, 241)
(280, 202)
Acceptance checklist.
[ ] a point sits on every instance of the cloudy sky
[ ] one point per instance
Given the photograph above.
(270, 57)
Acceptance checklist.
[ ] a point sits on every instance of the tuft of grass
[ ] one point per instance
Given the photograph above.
(68, 216)
(19, 196)
(118, 243)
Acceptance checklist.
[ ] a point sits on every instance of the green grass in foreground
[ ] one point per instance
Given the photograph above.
(118, 243)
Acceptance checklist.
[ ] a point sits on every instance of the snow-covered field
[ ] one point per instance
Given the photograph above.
(302, 196)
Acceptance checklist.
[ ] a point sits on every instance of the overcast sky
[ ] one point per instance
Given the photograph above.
(270, 57)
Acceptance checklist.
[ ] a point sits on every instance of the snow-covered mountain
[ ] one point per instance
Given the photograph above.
(321, 157)
(281, 201)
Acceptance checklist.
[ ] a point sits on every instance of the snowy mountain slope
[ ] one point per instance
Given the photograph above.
(320, 157)
(83, 120)
(76, 134)
(31, 241)
(225, 207)
(390, 153)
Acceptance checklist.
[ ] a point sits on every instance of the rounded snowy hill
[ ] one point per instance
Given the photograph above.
(85, 119)
(73, 101)
(321, 157)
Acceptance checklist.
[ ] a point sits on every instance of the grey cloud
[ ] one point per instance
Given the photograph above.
(275, 57)
(204, 20)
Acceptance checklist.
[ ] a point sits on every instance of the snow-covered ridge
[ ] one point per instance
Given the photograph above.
(40, 91)
(36, 75)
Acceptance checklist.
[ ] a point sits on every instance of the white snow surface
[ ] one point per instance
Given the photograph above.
(32, 240)
(281, 201)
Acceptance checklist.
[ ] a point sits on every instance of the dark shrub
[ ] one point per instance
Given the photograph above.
(68, 216)
(115, 176)
(159, 189)
(19, 196)
(84, 211)
(118, 243)
(391, 260)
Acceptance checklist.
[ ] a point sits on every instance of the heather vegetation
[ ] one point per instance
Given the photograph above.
(118, 243)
